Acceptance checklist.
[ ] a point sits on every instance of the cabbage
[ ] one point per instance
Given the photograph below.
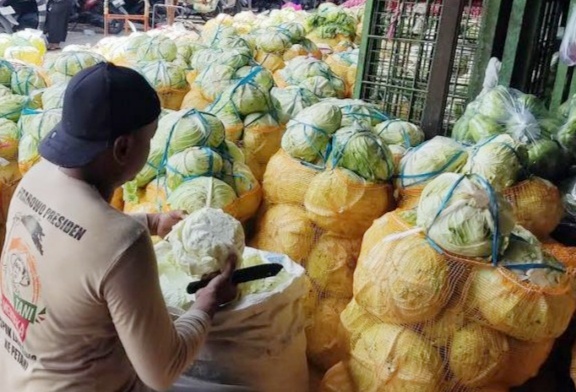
(34, 126)
(204, 58)
(201, 192)
(498, 104)
(400, 132)
(32, 37)
(5, 91)
(262, 76)
(11, 106)
(531, 103)
(295, 31)
(362, 152)
(330, 21)
(262, 136)
(53, 96)
(214, 80)
(323, 87)
(566, 136)
(499, 159)
(6, 70)
(153, 167)
(473, 128)
(162, 75)
(236, 43)
(70, 63)
(239, 176)
(9, 136)
(191, 163)
(232, 152)
(302, 68)
(308, 134)
(358, 112)
(204, 240)
(212, 34)
(273, 41)
(546, 159)
(430, 159)
(157, 48)
(189, 128)
(245, 97)
(291, 100)
(26, 54)
(25, 80)
(465, 216)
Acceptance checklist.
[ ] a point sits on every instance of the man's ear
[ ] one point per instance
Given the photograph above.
(122, 148)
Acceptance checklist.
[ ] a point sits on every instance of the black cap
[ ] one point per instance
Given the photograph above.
(101, 103)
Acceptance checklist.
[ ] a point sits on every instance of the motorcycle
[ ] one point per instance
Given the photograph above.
(186, 9)
(7, 18)
(91, 12)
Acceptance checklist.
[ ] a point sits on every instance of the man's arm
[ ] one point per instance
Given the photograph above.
(159, 349)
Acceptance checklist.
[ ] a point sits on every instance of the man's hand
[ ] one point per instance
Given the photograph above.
(161, 224)
(219, 291)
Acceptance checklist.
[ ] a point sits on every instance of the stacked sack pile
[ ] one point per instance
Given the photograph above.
(322, 190)
(191, 166)
(453, 295)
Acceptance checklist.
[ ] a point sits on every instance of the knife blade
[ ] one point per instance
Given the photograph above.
(242, 275)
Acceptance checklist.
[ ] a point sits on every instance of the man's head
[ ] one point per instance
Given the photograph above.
(110, 115)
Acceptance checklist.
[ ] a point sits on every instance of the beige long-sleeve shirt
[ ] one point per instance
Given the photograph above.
(81, 306)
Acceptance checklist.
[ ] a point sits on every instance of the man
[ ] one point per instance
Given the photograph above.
(90, 314)
(56, 27)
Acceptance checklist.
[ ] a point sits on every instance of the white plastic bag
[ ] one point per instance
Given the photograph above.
(259, 342)
(568, 46)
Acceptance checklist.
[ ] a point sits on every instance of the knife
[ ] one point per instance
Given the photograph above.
(242, 275)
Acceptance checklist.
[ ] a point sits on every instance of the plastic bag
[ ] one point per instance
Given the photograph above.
(568, 46)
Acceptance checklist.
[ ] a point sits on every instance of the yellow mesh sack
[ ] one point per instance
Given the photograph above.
(293, 52)
(171, 98)
(324, 349)
(520, 309)
(191, 77)
(262, 137)
(566, 254)
(331, 42)
(403, 281)
(155, 191)
(524, 361)
(145, 207)
(6, 192)
(194, 100)
(390, 223)
(354, 321)
(246, 205)
(337, 379)
(279, 80)
(118, 199)
(341, 202)
(408, 198)
(271, 61)
(10, 173)
(350, 77)
(393, 358)
(331, 265)
(337, 66)
(257, 168)
(537, 205)
(285, 229)
(286, 179)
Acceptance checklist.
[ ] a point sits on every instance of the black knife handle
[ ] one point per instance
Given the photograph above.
(195, 286)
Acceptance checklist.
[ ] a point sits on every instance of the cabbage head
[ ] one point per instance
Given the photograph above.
(465, 216)
(260, 75)
(201, 192)
(473, 128)
(302, 68)
(26, 79)
(214, 80)
(499, 104)
(400, 132)
(189, 128)
(70, 63)
(191, 163)
(430, 159)
(204, 58)
(533, 105)
(273, 41)
(295, 31)
(11, 106)
(231, 152)
(499, 159)
(547, 159)
(566, 136)
(324, 115)
(245, 97)
(325, 87)
(291, 100)
(358, 112)
(362, 152)
(6, 70)
(236, 43)
(239, 176)
(204, 240)
(9, 137)
(157, 48)
(163, 75)
(53, 96)
(155, 165)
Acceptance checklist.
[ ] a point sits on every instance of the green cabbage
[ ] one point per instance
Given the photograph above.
(6, 70)
(155, 165)
(5, 91)
(476, 127)
(191, 163)
(547, 159)
(262, 76)
(157, 48)
(499, 159)
(533, 105)
(189, 128)
(27, 79)
(362, 152)
(244, 98)
(323, 87)
(295, 31)
(232, 152)
(358, 112)
(239, 176)
(215, 79)
(34, 126)
(70, 63)
(498, 104)
(9, 137)
(566, 136)
(163, 75)
(273, 41)
(53, 96)
(399, 132)
(301, 68)
(11, 106)
(430, 159)
(291, 100)
(461, 214)
(237, 43)
(201, 192)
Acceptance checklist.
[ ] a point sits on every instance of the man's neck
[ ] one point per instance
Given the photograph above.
(104, 188)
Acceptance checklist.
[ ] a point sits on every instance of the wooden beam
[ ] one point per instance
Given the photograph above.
(441, 70)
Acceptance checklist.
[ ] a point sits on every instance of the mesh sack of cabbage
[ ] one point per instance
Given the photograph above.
(34, 125)
(526, 119)
(169, 81)
(425, 318)
(258, 340)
